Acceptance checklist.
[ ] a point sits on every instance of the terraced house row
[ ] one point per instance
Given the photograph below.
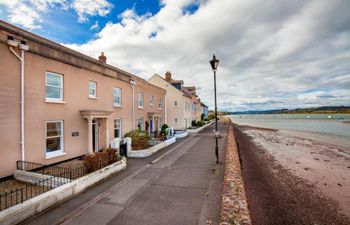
(57, 104)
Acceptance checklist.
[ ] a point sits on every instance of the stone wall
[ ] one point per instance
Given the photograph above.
(234, 209)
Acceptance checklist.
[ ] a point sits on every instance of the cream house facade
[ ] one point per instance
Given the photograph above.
(58, 104)
(178, 103)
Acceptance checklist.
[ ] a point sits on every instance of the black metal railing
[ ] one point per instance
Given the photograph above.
(55, 176)
(52, 170)
(30, 190)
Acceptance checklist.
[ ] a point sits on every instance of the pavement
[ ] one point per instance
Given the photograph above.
(182, 184)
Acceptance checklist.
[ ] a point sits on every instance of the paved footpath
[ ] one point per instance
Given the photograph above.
(180, 185)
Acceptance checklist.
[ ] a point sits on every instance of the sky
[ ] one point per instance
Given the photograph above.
(273, 54)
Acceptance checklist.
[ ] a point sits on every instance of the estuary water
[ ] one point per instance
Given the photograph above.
(331, 128)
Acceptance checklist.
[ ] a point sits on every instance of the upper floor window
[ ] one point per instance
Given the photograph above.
(151, 99)
(175, 103)
(54, 87)
(117, 96)
(92, 89)
(140, 100)
(160, 103)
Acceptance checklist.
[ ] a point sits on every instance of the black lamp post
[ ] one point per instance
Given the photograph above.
(214, 65)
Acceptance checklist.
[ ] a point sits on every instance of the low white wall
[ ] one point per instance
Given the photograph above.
(181, 135)
(149, 151)
(170, 141)
(194, 131)
(29, 208)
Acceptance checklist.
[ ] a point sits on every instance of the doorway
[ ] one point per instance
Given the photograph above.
(150, 125)
(95, 135)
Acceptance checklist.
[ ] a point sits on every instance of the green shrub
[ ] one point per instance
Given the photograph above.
(194, 123)
(211, 117)
(200, 123)
(139, 139)
(164, 130)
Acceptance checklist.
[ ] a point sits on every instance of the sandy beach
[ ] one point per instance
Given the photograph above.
(294, 177)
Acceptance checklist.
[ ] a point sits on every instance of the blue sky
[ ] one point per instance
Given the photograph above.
(273, 54)
(61, 25)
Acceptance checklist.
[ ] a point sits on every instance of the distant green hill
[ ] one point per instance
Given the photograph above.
(313, 110)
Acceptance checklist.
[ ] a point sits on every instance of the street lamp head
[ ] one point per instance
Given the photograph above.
(214, 63)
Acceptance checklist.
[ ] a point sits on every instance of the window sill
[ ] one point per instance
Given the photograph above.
(55, 154)
(117, 106)
(55, 101)
(93, 98)
(140, 107)
(160, 109)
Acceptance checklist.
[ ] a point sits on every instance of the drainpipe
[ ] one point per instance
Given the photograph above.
(165, 109)
(23, 47)
(132, 84)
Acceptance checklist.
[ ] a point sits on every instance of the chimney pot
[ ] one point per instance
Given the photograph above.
(102, 58)
(168, 76)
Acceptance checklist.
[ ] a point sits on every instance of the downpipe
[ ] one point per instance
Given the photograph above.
(21, 59)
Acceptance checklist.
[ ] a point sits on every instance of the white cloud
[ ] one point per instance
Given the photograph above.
(271, 53)
(28, 13)
(85, 8)
(95, 26)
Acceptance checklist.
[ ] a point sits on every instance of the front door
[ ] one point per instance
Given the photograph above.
(95, 135)
(150, 125)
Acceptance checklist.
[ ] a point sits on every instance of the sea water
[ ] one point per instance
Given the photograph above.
(326, 124)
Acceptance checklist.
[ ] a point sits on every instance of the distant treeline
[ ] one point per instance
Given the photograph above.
(313, 110)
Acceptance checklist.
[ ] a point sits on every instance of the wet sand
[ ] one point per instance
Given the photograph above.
(290, 179)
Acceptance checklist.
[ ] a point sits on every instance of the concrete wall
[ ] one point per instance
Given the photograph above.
(77, 70)
(150, 151)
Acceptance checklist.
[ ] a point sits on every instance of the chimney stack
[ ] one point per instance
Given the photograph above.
(102, 58)
(168, 76)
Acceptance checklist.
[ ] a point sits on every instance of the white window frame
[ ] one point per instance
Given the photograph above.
(160, 104)
(57, 152)
(120, 97)
(114, 128)
(60, 99)
(151, 100)
(140, 100)
(95, 95)
(138, 120)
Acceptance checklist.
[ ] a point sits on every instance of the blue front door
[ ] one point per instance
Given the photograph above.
(150, 125)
